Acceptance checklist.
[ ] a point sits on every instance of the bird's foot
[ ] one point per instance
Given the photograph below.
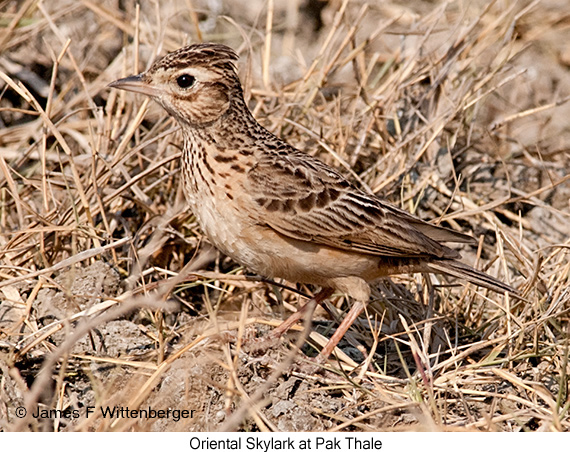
(260, 345)
(315, 366)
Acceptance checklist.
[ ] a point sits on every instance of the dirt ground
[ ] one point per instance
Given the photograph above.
(455, 112)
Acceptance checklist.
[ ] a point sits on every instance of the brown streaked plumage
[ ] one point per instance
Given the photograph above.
(276, 210)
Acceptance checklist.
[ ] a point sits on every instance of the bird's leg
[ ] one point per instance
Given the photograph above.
(306, 311)
(348, 320)
(302, 312)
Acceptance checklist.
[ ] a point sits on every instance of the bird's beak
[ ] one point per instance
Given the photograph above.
(136, 84)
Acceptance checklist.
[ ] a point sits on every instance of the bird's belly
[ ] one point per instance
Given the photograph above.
(266, 252)
(273, 255)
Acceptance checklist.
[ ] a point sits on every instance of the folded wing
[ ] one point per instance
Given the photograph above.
(304, 199)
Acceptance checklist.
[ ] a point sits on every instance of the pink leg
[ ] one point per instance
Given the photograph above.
(263, 343)
(296, 316)
(352, 315)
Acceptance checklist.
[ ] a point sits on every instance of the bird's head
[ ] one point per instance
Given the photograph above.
(195, 84)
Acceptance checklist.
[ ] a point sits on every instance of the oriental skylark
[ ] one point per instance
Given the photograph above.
(276, 210)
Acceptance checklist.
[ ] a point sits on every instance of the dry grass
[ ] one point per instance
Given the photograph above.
(455, 113)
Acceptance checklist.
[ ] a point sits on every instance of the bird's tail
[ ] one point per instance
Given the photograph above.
(469, 274)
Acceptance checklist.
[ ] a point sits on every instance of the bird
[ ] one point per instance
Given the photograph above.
(278, 211)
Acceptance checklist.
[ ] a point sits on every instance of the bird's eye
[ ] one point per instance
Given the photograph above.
(185, 81)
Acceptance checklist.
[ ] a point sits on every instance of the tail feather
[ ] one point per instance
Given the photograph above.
(464, 271)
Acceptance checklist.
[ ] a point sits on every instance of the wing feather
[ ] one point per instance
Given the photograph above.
(302, 198)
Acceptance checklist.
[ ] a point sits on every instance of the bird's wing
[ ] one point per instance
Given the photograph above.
(302, 198)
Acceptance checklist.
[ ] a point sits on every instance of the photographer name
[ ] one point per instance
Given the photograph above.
(115, 412)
